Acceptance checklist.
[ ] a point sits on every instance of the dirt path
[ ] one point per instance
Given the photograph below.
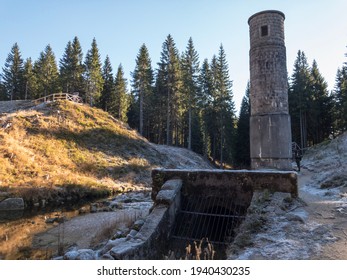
(326, 209)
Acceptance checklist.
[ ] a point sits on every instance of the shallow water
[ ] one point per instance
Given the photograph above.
(17, 229)
(27, 235)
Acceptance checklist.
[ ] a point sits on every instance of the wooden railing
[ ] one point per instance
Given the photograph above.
(59, 96)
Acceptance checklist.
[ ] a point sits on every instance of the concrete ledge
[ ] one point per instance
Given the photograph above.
(168, 192)
(238, 184)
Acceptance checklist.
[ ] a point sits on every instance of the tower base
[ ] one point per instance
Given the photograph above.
(270, 138)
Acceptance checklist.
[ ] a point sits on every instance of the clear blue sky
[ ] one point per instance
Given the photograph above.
(317, 27)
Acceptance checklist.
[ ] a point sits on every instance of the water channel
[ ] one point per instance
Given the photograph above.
(44, 233)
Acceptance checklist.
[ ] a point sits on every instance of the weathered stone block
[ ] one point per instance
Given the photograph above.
(236, 184)
(165, 197)
(12, 204)
(175, 184)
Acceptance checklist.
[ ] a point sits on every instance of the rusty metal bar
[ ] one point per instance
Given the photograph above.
(213, 215)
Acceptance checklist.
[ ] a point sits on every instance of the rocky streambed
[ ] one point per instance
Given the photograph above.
(63, 232)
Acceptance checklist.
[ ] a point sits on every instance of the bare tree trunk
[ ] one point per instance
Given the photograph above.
(141, 112)
(26, 90)
(190, 127)
(168, 119)
(221, 149)
(214, 148)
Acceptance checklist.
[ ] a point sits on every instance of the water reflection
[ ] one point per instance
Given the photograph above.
(17, 229)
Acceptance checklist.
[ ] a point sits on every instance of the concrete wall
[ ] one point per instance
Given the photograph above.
(271, 141)
(151, 241)
(168, 187)
(239, 185)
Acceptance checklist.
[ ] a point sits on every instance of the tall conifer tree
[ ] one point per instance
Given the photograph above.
(30, 80)
(93, 75)
(190, 73)
(159, 108)
(242, 149)
(47, 74)
(298, 98)
(142, 84)
(122, 98)
(13, 74)
(204, 105)
(224, 107)
(215, 102)
(3, 95)
(107, 99)
(320, 108)
(340, 101)
(169, 66)
(65, 68)
(77, 67)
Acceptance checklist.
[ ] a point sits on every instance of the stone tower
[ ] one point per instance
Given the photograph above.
(270, 130)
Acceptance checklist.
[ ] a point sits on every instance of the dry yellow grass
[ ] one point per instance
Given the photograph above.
(64, 145)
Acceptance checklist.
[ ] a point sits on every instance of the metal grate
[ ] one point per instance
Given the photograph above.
(214, 218)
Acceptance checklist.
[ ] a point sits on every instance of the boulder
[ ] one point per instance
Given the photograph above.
(10, 204)
(82, 254)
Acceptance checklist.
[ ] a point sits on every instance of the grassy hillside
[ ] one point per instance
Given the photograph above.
(67, 147)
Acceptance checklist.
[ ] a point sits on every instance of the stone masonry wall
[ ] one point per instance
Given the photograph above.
(151, 241)
(239, 185)
(270, 129)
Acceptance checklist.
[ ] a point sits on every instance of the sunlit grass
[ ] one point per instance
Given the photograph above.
(65, 145)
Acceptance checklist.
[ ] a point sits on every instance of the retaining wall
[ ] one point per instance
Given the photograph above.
(239, 185)
(151, 241)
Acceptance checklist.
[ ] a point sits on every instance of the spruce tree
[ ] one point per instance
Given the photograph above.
(142, 83)
(340, 101)
(122, 99)
(13, 74)
(107, 99)
(65, 68)
(3, 95)
(204, 105)
(158, 112)
(213, 127)
(72, 68)
(242, 149)
(320, 108)
(169, 66)
(93, 75)
(47, 74)
(224, 108)
(77, 67)
(190, 72)
(30, 80)
(298, 98)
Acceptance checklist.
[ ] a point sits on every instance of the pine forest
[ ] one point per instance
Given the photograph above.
(182, 101)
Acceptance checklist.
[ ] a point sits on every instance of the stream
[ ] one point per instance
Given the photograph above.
(47, 233)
